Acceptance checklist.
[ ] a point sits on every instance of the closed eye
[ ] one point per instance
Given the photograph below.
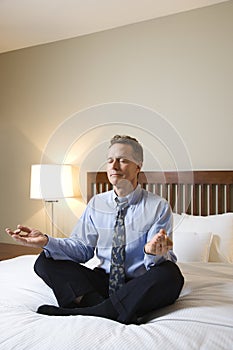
(121, 160)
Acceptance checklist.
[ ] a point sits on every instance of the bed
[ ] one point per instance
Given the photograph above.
(202, 203)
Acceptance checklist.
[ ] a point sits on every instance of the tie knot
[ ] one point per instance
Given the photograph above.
(122, 205)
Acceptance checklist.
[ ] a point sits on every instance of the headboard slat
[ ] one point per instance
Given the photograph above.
(229, 197)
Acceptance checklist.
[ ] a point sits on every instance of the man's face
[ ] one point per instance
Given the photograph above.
(122, 168)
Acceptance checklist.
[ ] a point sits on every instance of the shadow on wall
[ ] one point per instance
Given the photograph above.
(17, 154)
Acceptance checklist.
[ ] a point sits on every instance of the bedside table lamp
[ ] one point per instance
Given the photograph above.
(51, 182)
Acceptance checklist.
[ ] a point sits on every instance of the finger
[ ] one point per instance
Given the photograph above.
(26, 241)
(167, 244)
(20, 239)
(23, 234)
(155, 239)
(157, 246)
(169, 241)
(24, 228)
(160, 249)
(164, 246)
(9, 231)
(170, 244)
(162, 232)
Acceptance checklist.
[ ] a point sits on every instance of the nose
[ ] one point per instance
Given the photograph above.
(115, 164)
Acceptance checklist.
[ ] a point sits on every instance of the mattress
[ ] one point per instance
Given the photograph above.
(202, 317)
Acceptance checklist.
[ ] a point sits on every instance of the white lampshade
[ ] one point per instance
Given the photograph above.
(51, 181)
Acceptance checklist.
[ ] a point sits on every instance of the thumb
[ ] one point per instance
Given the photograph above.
(24, 228)
(162, 232)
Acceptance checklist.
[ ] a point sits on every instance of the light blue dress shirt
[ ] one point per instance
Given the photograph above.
(146, 215)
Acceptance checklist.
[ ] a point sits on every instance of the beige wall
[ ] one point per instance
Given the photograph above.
(178, 66)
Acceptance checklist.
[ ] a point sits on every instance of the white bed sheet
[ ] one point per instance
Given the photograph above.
(202, 318)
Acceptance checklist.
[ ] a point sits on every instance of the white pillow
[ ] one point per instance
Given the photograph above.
(220, 225)
(192, 246)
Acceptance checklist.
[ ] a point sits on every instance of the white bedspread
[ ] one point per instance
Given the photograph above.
(202, 318)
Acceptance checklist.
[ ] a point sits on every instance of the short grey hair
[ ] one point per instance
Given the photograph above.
(128, 140)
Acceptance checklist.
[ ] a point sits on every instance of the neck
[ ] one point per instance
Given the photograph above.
(123, 191)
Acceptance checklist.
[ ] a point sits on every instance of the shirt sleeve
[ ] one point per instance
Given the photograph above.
(164, 221)
(80, 246)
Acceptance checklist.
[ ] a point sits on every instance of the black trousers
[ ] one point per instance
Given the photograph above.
(158, 287)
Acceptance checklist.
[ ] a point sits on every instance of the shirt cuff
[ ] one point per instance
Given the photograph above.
(50, 246)
(153, 260)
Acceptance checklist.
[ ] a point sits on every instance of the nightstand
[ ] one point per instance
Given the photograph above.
(8, 251)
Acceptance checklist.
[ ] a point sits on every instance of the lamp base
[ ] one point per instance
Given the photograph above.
(51, 216)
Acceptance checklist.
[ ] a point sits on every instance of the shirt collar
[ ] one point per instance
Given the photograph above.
(132, 198)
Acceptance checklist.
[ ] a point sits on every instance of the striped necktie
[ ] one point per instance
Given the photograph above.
(117, 270)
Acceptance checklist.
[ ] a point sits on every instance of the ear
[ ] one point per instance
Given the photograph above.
(139, 165)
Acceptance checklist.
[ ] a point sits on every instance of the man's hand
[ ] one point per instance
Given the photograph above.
(28, 236)
(159, 245)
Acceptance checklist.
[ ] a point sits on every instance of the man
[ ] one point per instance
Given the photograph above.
(137, 274)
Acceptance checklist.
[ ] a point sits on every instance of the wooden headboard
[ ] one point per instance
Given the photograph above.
(191, 192)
